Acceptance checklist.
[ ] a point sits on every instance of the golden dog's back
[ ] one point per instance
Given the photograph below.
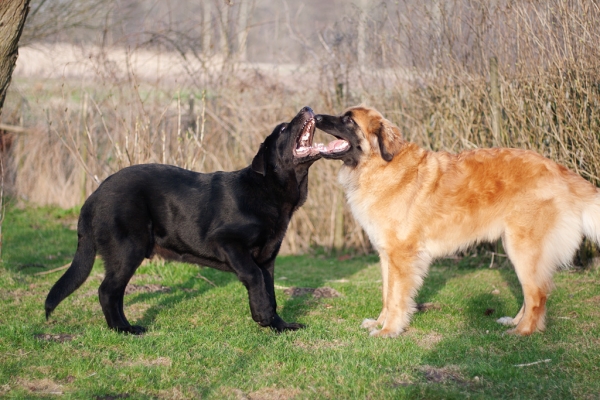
(459, 199)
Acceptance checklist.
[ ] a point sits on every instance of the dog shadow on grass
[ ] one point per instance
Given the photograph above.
(305, 275)
(306, 281)
(167, 297)
(478, 356)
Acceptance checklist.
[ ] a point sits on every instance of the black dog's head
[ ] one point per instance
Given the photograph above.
(290, 145)
(361, 132)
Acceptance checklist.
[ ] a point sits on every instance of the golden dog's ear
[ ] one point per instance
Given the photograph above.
(259, 162)
(389, 139)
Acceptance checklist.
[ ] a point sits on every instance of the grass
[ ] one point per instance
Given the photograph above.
(202, 342)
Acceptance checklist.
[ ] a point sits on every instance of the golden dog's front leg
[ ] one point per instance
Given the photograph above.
(372, 324)
(405, 276)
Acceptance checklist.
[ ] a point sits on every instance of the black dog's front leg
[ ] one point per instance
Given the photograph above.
(278, 324)
(251, 276)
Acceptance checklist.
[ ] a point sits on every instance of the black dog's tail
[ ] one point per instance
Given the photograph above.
(78, 271)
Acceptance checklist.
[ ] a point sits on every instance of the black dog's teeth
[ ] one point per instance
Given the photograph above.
(305, 139)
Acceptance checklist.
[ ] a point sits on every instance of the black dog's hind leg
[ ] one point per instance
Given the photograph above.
(120, 267)
(278, 323)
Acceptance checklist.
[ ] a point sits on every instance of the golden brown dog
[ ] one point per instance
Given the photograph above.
(417, 205)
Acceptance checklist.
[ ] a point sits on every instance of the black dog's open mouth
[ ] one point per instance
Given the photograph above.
(306, 148)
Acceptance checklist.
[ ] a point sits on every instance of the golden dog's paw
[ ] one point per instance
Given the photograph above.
(523, 331)
(369, 324)
(385, 333)
(508, 321)
(518, 332)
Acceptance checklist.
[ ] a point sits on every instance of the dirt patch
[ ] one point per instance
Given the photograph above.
(147, 288)
(59, 337)
(141, 277)
(19, 294)
(442, 375)
(112, 396)
(4, 389)
(274, 394)
(298, 291)
(402, 380)
(44, 386)
(319, 344)
(176, 393)
(427, 341)
(318, 293)
(325, 292)
(231, 393)
(595, 299)
(144, 362)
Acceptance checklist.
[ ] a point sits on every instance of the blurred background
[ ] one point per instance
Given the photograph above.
(104, 84)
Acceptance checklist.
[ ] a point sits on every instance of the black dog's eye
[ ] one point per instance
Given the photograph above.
(282, 128)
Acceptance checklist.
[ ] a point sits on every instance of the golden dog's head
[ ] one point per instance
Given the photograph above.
(362, 133)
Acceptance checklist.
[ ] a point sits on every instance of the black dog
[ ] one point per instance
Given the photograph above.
(232, 221)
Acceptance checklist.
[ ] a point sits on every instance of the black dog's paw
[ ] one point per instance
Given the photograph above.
(137, 330)
(279, 325)
(132, 329)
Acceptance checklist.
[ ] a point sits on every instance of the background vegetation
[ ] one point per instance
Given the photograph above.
(102, 85)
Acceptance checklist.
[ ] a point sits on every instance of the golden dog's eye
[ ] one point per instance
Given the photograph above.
(347, 120)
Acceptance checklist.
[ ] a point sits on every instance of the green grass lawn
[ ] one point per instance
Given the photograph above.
(202, 342)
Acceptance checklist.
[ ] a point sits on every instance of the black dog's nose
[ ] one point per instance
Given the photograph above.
(318, 118)
(307, 109)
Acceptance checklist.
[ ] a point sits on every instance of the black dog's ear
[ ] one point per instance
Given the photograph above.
(259, 162)
(389, 140)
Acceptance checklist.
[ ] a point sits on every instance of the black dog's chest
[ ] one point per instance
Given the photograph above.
(200, 243)
(273, 235)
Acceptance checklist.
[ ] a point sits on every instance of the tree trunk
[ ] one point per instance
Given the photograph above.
(244, 16)
(206, 29)
(361, 42)
(12, 19)
(224, 29)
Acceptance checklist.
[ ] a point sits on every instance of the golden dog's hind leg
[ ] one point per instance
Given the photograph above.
(534, 316)
(405, 276)
(534, 269)
(372, 324)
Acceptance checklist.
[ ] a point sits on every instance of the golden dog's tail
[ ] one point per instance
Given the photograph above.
(591, 219)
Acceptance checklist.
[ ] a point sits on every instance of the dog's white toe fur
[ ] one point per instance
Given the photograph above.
(509, 321)
(369, 324)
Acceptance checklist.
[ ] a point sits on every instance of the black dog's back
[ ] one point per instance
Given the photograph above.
(179, 213)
